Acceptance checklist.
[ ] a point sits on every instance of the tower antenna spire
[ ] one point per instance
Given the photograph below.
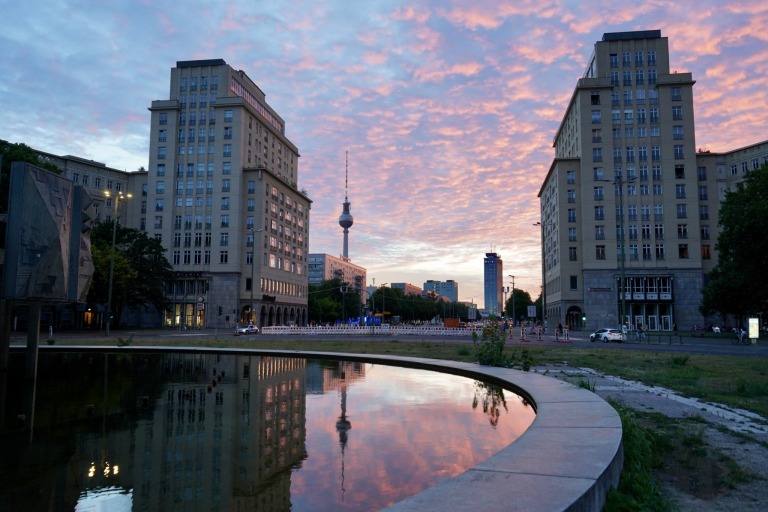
(345, 219)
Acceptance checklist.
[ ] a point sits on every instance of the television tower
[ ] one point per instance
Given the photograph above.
(345, 219)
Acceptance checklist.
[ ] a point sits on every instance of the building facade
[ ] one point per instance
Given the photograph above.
(324, 267)
(222, 196)
(493, 283)
(449, 289)
(628, 206)
(408, 288)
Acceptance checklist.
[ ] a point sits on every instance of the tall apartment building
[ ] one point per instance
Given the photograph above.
(449, 289)
(223, 198)
(493, 283)
(628, 207)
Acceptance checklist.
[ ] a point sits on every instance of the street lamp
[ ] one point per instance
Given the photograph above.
(383, 304)
(619, 182)
(513, 299)
(118, 197)
(549, 224)
(253, 257)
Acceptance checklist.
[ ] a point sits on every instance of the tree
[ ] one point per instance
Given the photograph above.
(140, 273)
(738, 285)
(522, 301)
(331, 300)
(10, 153)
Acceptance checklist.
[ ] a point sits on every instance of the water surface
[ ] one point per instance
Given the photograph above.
(188, 432)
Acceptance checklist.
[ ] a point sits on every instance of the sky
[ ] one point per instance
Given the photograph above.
(446, 108)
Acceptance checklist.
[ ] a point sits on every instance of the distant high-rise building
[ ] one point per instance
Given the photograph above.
(448, 289)
(493, 283)
(223, 198)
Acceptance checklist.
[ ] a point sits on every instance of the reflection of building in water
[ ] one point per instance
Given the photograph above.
(224, 438)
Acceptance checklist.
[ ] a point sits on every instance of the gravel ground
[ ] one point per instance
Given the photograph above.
(740, 434)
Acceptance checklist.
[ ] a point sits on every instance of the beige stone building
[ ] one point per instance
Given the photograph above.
(222, 195)
(627, 180)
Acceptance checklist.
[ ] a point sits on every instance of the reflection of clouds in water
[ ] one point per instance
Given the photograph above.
(409, 428)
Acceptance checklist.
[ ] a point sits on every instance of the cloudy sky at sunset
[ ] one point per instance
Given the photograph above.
(447, 108)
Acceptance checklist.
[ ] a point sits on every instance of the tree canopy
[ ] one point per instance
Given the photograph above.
(738, 285)
(140, 273)
(10, 153)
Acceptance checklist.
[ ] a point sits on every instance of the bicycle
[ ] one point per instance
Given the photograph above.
(741, 338)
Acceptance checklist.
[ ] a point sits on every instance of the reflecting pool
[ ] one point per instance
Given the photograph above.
(190, 431)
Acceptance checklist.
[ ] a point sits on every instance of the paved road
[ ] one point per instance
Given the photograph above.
(683, 344)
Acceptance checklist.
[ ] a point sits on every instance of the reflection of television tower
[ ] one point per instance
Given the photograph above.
(343, 425)
(345, 219)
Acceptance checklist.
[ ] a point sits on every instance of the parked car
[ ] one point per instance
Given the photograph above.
(598, 334)
(246, 329)
(612, 335)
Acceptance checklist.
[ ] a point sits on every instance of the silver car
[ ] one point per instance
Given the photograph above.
(246, 329)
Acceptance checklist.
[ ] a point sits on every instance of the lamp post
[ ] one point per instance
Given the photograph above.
(383, 304)
(253, 257)
(514, 314)
(619, 182)
(118, 196)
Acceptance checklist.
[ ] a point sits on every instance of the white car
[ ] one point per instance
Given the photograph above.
(598, 334)
(612, 335)
(246, 329)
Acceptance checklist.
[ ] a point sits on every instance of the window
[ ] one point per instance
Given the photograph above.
(677, 113)
(227, 132)
(599, 213)
(599, 232)
(163, 118)
(159, 205)
(676, 95)
(706, 252)
(703, 193)
(599, 194)
(651, 76)
(658, 212)
(571, 234)
(616, 116)
(626, 59)
(639, 77)
(224, 257)
(159, 222)
(677, 132)
(597, 135)
(682, 231)
(633, 231)
(225, 221)
(642, 155)
(571, 196)
(600, 252)
(614, 59)
(225, 185)
(224, 239)
(570, 178)
(161, 152)
(627, 77)
(615, 98)
(630, 154)
(633, 254)
(647, 252)
(655, 153)
(225, 203)
(660, 252)
(704, 212)
(595, 97)
(226, 168)
(679, 152)
(654, 114)
(574, 282)
(682, 211)
(571, 215)
(228, 117)
(680, 191)
(596, 117)
(682, 251)
(614, 78)
(571, 254)
(227, 150)
(597, 173)
(597, 154)
(658, 231)
(705, 232)
(656, 172)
